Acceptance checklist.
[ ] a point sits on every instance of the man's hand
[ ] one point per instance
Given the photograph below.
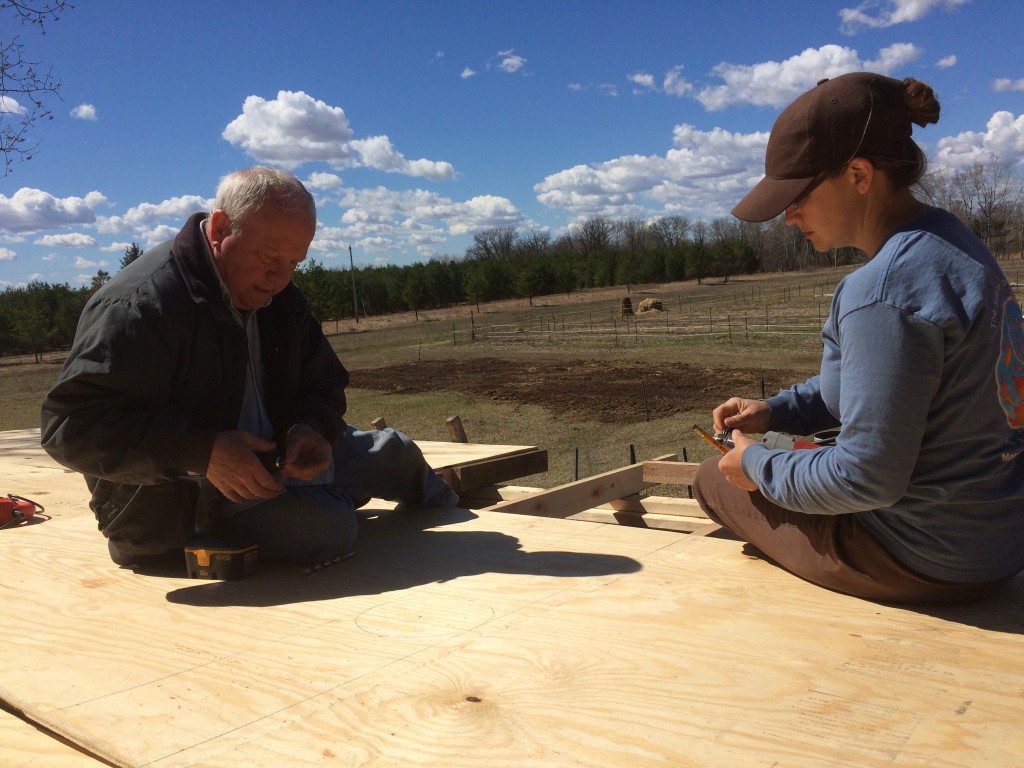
(731, 466)
(741, 413)
(306, 453)
(236, 471)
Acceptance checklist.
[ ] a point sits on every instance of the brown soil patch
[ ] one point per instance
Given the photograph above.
(607, 391)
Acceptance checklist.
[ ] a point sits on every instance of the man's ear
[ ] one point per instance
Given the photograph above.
(219, 226)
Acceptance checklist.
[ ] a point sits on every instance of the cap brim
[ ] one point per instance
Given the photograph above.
(769, 198)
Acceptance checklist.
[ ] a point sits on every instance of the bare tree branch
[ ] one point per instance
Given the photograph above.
(23, 88)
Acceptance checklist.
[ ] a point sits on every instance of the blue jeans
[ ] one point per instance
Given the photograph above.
(313, 523)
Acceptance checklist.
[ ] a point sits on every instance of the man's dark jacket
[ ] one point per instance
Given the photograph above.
(157, 368)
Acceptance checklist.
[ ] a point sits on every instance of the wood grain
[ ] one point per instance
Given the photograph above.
(478, 638)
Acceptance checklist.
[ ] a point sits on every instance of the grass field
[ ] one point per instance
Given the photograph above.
(763, 322)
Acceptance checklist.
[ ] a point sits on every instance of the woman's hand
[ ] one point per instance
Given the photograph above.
(743, 414)
(731, 464)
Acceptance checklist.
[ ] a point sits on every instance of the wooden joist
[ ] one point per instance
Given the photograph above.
(478, 474)
(568, 499)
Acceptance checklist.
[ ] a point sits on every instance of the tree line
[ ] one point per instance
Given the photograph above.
(504, 262)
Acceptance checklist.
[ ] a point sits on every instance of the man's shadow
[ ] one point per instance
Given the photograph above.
(395, 551)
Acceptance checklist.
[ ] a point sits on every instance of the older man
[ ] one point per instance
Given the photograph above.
(199, 357)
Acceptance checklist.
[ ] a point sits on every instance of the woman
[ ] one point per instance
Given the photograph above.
(921, 499)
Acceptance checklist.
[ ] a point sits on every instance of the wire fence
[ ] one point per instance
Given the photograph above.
(739, 314)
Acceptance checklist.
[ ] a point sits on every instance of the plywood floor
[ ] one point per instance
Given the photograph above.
(475, 638)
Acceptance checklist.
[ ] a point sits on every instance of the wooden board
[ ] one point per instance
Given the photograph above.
(475, 638)
(25, 745)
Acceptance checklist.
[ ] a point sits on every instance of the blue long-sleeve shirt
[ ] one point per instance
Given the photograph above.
(923, 369)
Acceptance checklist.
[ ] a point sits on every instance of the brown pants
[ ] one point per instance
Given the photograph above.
(833, 551)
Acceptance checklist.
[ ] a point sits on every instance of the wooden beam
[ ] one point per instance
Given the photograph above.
(479, 474)
(660, 471)
(379, 423)
(647, 520)
(656, 505)
(568, 499)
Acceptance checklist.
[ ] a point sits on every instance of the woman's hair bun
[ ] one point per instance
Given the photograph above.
(922, 106)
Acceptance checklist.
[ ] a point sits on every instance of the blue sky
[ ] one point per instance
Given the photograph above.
(417, 124)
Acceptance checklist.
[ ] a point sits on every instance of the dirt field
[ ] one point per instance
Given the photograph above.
(607, 391)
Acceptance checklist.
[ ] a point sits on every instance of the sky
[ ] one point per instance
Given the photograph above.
(418, 124)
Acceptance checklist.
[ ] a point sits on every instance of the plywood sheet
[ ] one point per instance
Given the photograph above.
(463, 638)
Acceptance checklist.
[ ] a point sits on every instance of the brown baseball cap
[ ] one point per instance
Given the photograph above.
(860, 113)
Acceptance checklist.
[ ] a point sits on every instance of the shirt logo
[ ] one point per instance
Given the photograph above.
(1010, 368)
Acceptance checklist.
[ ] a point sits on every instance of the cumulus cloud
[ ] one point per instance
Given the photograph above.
(82, 263)
(69, 240)
(292, 129)
(378, 152)
(295, 128)
(877, 14)
(1003, 138)
(140, 218)
(467, 73)
(946, 62)
(84, 112)
(32, 210)
(6, 254)
(381, 220)
(323, 181)
(705, 171)
(1004, 84)
(116, 247)
(776, 83)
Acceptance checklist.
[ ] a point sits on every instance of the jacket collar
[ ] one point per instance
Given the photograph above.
(197, 268)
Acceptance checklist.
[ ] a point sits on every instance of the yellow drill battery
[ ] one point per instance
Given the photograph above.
(209, 558)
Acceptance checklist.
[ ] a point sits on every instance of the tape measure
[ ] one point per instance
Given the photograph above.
(16, 509)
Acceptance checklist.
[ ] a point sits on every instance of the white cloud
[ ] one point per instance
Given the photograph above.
(876, 14)
(69, 240)
(115, 247)
(608, 89)
(295, 128)
(946, 62)
(1003, 138)
(378, 152)
(510, 62)
(140, 217)
(291, 130)
(467, 73)
(1004, 84)
(644, 82)
(382, 220)
(705, 172)
(893, 57)
(84, 112)
(6, 254)
(776, 83)
(482, 212)
(324, 181)
(81, 263)
(10, 105)
(32, 210)
(675, 84)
